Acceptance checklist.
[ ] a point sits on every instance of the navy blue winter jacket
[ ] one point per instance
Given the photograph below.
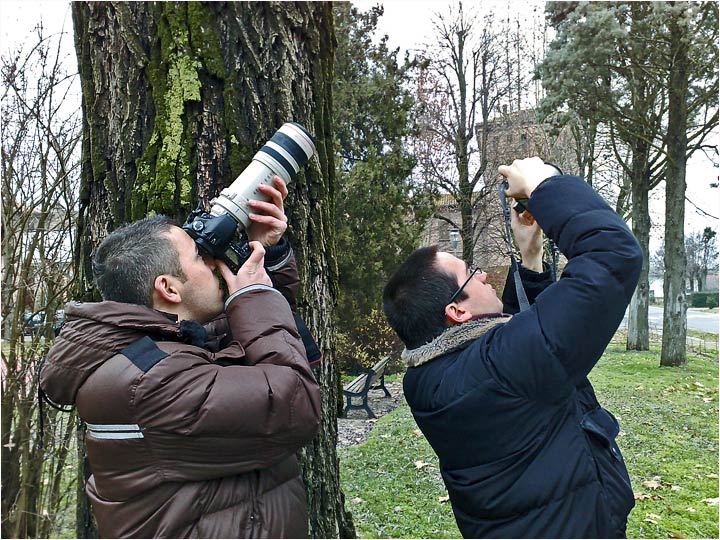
(525, 449)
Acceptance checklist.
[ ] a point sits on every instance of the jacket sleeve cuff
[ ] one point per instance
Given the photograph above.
(278, 255)
(249, 288)
(275, 256)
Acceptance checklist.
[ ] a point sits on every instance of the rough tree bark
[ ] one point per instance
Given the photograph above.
(675, 304)
(177, 98)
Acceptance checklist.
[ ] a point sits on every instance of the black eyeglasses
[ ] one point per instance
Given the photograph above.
(473, 270)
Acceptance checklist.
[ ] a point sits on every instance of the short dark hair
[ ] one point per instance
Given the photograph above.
(127, 262)
(414, 299)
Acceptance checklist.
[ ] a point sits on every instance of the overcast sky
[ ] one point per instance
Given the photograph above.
(408, 24)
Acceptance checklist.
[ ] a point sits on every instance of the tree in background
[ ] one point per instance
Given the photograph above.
(610, 64)
(691, 54)
(702, 257)
(40, 134)
(177, 98)
(380, 213)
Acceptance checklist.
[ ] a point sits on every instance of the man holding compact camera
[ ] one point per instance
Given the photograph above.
(525, 449)
(195, 405)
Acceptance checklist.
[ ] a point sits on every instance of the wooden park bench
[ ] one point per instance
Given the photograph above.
(374, 379)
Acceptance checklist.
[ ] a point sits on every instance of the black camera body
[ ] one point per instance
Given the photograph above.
(214, 235)
(290, 148)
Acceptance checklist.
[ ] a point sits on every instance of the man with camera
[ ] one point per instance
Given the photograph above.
(525, 449)
(194, 405)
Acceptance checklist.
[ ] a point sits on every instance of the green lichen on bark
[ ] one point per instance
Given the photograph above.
(204, 38)
(206, 42)
(165, 169)
(207, 45)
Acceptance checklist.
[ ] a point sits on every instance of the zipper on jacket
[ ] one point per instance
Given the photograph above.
(254, 495)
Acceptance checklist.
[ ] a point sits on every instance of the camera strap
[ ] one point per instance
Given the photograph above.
(515, 268)
(42, 398)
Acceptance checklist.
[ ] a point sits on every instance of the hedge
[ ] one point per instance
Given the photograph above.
(707, 299)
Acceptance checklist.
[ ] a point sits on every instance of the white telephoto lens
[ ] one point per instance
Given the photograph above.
(289, 149)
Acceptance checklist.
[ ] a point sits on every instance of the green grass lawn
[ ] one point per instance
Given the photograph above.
(669, 437)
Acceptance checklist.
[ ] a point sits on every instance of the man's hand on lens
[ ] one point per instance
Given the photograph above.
(524, 175)
(250, 273)
(268, 226)
(528, 236)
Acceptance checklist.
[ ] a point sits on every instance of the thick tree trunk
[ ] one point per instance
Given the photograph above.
(178, 98)
(638, 338)
(675, 314)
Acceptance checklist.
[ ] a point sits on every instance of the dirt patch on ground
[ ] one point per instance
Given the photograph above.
(355, 428)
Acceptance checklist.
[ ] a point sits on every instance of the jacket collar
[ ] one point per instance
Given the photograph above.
(453, 339)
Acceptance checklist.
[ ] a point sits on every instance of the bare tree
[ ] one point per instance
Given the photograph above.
(40, 134)
(702, 257)
(461, 89)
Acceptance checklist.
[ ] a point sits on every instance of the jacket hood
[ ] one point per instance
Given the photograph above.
(93, 333)
(453, 339)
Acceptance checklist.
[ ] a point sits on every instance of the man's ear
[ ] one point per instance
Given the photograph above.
(165, 289)
(455, 314)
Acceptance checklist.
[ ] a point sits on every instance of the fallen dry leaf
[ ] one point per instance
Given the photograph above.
(691, 509)
(653, 516)
(652, 484)
(641, 496)
(651, 521)
(712, 502)
(357, 500)
(712, 475)
(675, 535)
(707, 400)
(675, 488)
(419, 464)
(417, 432)
(443, 499)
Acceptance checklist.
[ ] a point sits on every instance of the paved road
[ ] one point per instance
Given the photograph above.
(697, 320)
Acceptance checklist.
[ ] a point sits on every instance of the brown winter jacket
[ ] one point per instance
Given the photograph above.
(183, 441)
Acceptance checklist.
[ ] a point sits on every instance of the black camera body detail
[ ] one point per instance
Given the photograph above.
(214, 235)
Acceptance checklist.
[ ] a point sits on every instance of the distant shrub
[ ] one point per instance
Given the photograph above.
(704, 299)
(370, 340)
